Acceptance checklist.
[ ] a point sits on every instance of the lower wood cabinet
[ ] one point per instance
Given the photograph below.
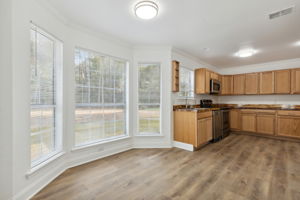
(204, 131)
(288, 126)
(234, 119)
(265, 123)
(248, 122)
(192, 127)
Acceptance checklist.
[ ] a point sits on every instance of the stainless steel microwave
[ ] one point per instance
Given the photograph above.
(215, 86)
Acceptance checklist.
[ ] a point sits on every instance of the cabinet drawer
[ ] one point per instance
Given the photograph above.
(202, 115)
(266, 112)
(288, 113)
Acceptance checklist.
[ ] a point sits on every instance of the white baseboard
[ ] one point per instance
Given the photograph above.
(32, 189)
(184, 146)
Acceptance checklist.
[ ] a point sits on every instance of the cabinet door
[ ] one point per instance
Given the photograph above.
(265, 124)
(239, 84)
(295, 81)
(227, 85)
(207, 82)
(248, 122)
(283, 82)
(200, 81)
(285, 126)
(251, 83)
(214, 76)
(204, 134)
(234, 118)
(266, 83)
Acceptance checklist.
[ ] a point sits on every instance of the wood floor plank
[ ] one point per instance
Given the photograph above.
(240, 167)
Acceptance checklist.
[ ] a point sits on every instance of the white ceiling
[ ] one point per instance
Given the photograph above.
(223, 26)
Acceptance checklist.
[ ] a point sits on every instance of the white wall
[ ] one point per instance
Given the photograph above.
(262, 99)
(23, 12)
(160, 55)
(5, 101)
(192, 63)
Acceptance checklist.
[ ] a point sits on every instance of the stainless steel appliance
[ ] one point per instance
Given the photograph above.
(215, 86)
(220, 120)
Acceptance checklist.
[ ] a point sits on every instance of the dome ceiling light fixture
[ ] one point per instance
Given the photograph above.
(243, 53)
(146, 10)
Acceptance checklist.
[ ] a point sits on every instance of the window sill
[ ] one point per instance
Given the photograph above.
(36, 168)
(100, 142)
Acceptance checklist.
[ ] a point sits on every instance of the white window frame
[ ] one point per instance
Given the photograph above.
(58, 106)
(191, 71)
(160, 101)
(115, 138)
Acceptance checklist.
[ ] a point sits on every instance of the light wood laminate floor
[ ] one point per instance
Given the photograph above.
(239, 167)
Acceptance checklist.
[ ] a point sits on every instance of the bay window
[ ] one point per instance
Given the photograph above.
(46, 65)
(149, 99)
(100, 112)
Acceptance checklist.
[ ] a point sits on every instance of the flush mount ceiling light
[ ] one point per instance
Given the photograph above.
(146, 10)
(245, 53)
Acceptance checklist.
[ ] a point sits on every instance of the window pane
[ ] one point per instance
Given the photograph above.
(186, 87)
(149, 98)
(101, 102)
(43, 95)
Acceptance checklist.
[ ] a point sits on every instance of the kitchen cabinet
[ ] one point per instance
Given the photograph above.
(175, 76)
(288, 124)
(193, 128)
(214, 76)
(239, 84)
(227, 85)
(251, 83)
(204, 131)
(283, 82)
(266, 83)
(234, 119)
(202, 80)
(266, 123)
(295, 82)
(248, 121)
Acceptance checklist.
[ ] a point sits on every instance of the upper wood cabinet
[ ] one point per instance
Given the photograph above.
(202, 80)
(227, 85)
(283, 82)
(266, 82)
(295, 85)
(239, 84)
(251, 83)
(175, 76)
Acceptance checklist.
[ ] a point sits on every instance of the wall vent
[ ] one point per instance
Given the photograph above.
(281, 13)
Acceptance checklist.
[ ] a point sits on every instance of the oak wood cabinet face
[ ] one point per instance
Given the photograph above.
(295, 81)
(175, 76)
(288, 126)
(227, 85)
(248, 122)
(283, 82)
(251, 83)
(204, 131)
(239, 84)
(266, 83)
(214, 76)
(207, 82)
(200, 81)
(265, 124)
(234, 119)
